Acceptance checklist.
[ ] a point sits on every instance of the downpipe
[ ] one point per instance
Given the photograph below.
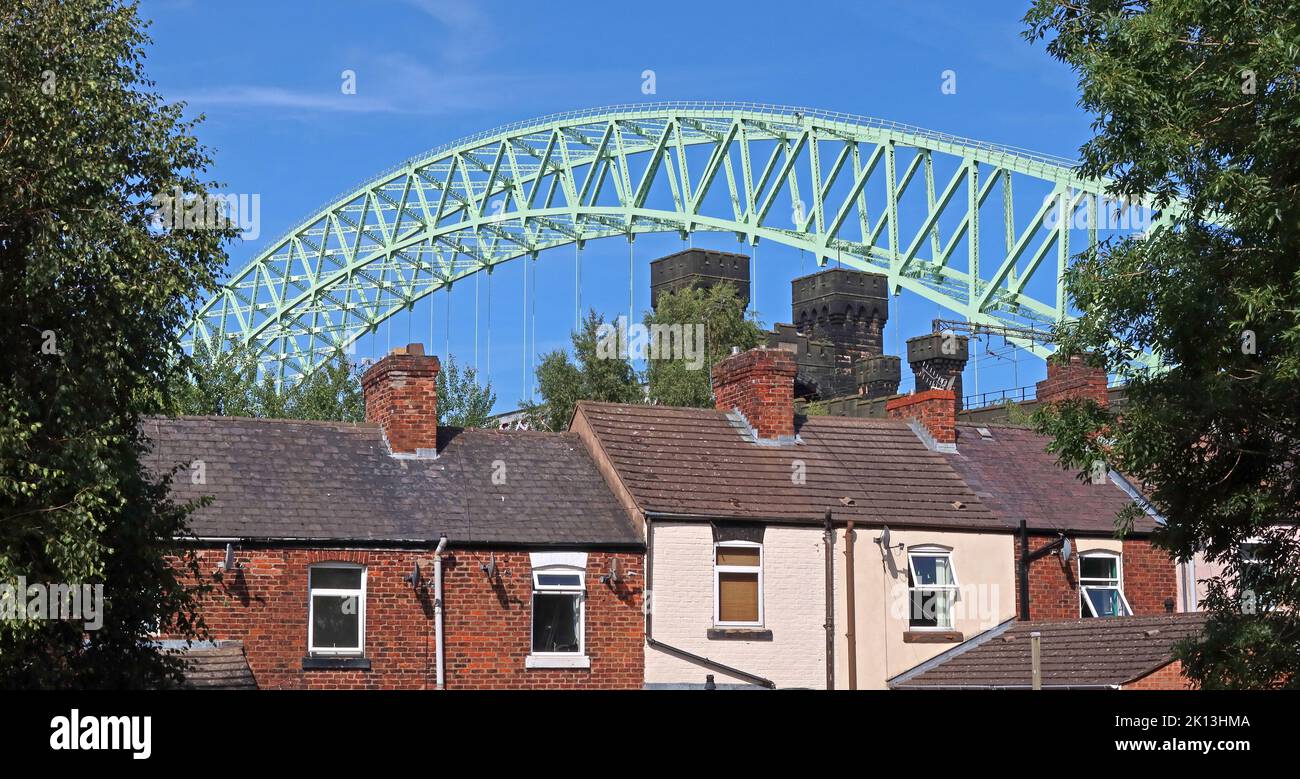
(437, 610)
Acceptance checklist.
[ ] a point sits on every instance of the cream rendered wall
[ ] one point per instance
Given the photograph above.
(794, 608)
(985, 567)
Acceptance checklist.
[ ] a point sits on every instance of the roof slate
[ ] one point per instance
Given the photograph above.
(1075, 653)
(282, 479)
(703, 463)
(1017, 478)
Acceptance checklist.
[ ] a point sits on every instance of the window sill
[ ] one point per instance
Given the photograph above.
(933, 637)
(322, 662)
(557, 661)
(739, 634)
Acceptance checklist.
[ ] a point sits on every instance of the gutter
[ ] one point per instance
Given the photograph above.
(650, 641)
(405, 543)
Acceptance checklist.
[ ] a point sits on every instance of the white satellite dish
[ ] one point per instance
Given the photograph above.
(1066, 550)
(884, 537)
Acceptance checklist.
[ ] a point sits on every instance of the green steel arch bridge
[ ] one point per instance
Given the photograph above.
(935, 212)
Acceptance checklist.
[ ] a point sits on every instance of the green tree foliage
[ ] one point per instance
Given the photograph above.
(226, 384)
(591, 375)
(92, 296)
(462, 402)
(1198, 99)
(678, 380)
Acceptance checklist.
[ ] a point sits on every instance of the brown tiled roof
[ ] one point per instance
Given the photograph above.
(279, 479)
(1075, 653)
(1017, 478)
(221, 667)
(702, 463)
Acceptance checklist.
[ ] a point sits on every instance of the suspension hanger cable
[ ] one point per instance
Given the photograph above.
(523, 318)
(577, 284)
(631, 276)
(753, 275)
(489, 325)
(532, 351)
(476, 280)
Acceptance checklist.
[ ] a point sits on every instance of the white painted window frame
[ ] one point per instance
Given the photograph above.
(1245, 559)
(720, 569)
(329, 651)
(576, 659)
(930, 550)
(1118, 586)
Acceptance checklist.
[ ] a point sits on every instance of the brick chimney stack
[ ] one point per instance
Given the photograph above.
(936, 410)
(937, 360)
(401, 393)
(1072, 377)
(759, 384)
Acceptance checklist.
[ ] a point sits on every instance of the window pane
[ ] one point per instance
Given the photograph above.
(931, 609)
(336, 578)
(336, 622)
(559, 579)
(738, 555)
(1098, 568)
(1106, 602)
(923, 609)
(932, 570)
(555, 622)
(738, 597)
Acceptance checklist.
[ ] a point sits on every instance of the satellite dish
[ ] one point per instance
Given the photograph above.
(1066, 550)
(884, 537)
(229, 562)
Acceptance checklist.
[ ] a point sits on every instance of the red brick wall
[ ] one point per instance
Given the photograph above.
(759, 382)
(1073, 378)
(936, 409)
(488, 625)
(1167, 677)
(1149, 576)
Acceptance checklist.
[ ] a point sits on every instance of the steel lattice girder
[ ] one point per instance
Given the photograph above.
(521, 189)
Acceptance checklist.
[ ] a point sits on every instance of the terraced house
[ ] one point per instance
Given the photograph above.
(748, 545)
(397, 554)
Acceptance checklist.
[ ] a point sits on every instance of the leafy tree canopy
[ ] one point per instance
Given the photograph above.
(462, 401)
(594, 374)
(698, 329)
(92, 296)
(1198, 100)
(226, 384)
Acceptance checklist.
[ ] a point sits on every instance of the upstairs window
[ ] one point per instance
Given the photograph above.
(558, 610)
(738, 584)
(336, 604)
(1254, 576)
(931, 588)
(1100, 586)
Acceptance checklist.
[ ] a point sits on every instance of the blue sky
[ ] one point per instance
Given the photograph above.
(267, 77)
